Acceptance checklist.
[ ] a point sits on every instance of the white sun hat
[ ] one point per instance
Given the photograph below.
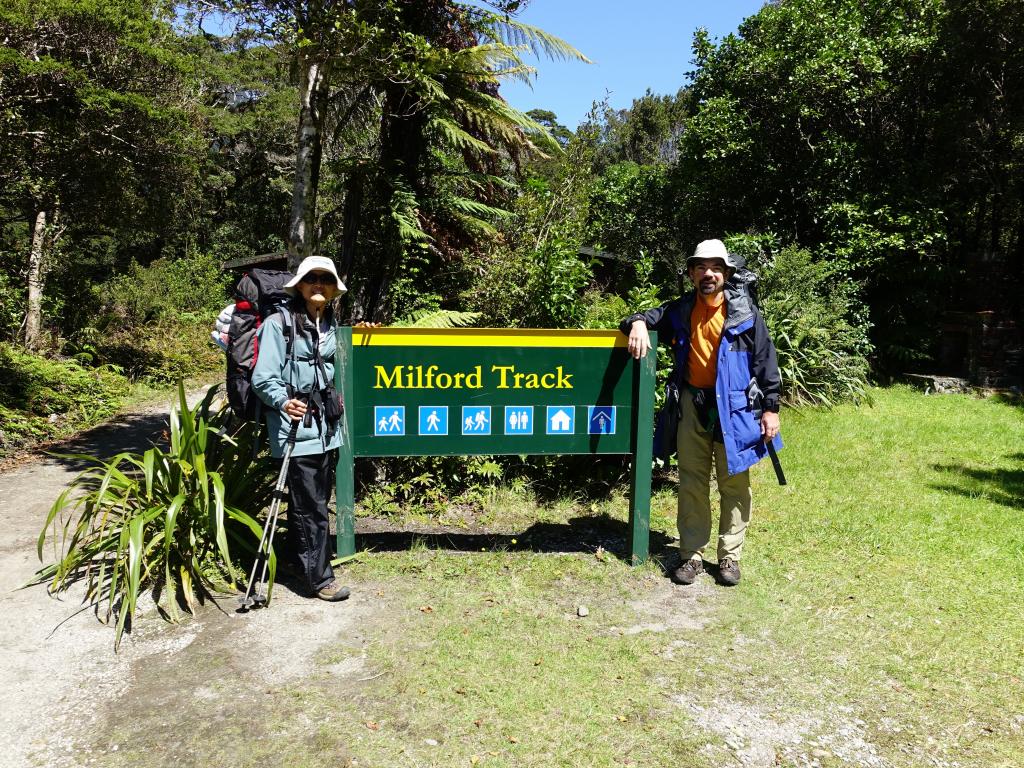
(315, 264)
(713, 249)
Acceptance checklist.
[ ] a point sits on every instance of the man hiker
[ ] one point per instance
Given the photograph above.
(728, 382)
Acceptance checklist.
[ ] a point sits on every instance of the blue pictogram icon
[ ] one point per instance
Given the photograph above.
(601, 419)
(388, 420)
(561, 420)
(433, 419)
(518, 419)
(476, 419)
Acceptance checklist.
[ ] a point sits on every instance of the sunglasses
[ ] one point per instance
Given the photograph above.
(322, 278)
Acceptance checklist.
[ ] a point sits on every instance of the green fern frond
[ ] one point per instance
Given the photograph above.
(438, 318)
(473, 225)
(458, 138)
(409, 228)
(404, 212)
(522, 73)
(479, 181)
(504, 29)
(486, 57)
(495, 118)
(476, 208)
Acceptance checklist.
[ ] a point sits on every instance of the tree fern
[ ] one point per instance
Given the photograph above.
(504, 29)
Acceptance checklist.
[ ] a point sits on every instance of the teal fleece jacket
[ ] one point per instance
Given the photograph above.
(273, 372)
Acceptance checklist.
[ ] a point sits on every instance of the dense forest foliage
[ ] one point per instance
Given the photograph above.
(864, 155)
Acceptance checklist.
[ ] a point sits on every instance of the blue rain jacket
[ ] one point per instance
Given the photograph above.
(746, 359)
(273, 372)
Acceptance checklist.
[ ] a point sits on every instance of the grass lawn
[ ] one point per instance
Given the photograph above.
(878, 624)
(879, 621)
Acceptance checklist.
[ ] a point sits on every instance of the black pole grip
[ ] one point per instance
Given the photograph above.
(776, 464)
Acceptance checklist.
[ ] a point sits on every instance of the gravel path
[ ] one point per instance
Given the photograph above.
(52, 646)
(64, 692)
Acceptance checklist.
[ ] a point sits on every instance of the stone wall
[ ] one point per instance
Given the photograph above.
(987, 348)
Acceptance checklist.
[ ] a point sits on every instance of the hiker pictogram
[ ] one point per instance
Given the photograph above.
(433, 420)
(389, 420)
(476, 419)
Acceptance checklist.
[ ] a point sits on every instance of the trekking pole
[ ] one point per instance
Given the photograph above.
(776, 464)
(255, 599)
(755, 398)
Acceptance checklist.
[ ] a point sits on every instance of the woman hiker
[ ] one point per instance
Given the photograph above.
(294, 377)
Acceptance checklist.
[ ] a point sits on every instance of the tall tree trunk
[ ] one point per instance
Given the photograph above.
(34, 309)
(313, 89)
(402, 147)
(354, 188)
(350, 220)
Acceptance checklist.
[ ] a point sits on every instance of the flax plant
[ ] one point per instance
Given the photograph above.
(167, 519)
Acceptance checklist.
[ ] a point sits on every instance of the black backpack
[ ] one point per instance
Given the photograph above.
(258, 295)
(745, 280)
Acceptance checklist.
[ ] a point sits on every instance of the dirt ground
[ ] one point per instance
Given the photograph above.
(61, 683)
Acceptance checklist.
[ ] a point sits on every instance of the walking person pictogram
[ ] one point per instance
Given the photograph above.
(433, 421)
(395, 422)
(389, 420)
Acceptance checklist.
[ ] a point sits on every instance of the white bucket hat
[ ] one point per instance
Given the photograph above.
(315, 264)
(713, 249)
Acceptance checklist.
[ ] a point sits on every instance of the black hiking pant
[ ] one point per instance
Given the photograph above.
(309, 531)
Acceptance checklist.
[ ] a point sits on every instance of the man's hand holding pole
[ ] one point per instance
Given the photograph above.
(769, 429)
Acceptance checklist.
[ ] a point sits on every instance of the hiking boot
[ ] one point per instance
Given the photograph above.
(688, 572)
(729, 572)
(333, 592)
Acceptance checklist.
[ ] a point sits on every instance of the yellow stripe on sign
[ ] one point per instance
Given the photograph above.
(484, 337)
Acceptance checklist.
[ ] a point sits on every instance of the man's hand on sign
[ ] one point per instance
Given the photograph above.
(769, 425)
(639, 340)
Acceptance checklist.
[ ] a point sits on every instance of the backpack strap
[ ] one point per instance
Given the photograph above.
(288, 328)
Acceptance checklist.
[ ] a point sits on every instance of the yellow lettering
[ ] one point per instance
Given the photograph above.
(547, 381)
(503, 370)
(430, 376)
(444, 380)
(474, 380)
(459, 377)
(563, 379)
(395, 380)
(532, 381)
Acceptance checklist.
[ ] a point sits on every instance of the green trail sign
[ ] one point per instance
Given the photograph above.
(426, 392)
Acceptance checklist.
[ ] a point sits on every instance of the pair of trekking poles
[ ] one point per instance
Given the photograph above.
(255, 593)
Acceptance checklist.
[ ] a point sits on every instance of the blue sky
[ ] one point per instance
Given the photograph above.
(634, 46)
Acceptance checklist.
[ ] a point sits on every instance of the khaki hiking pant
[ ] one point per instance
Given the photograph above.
(696, 451)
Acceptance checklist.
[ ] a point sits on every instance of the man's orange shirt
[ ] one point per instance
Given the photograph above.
(706, 323)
